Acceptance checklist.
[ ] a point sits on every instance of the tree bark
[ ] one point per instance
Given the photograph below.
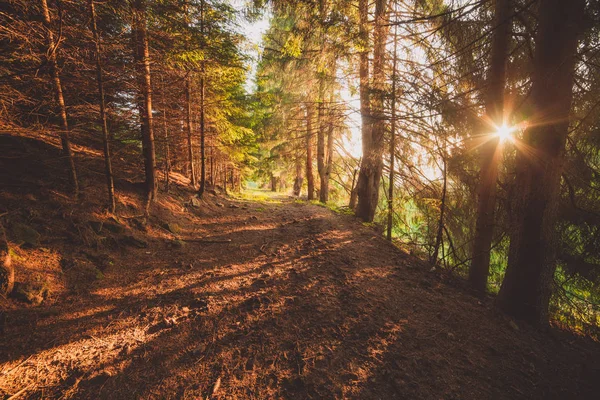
(166, 136)
(110, 185)
(392, 151)
(202, 113)
(491, 150)
(58, 93)
(202, 136)
(189, 129)
(440, 230)
(372, 163)
(142, 54)
(321, 138)
(527, 286)
(310, 180)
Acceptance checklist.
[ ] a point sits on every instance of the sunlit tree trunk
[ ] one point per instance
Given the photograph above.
(298, 166)
(321, 139)
(440, 230)
(202, 135)
(329, 156)
(491, 149)
(58, 94)
(189, 129)
(105, 136)
(142, 54)
(310, 180)
(364, 91)
(392, 151)
(166, 138)
(373, 139)
(202, 112)
(527, 286)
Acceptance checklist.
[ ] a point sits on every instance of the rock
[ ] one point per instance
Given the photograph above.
(171, 227)
(220, 204)
(195, 202)
(25, 234)
(234, 206)
(30, 293)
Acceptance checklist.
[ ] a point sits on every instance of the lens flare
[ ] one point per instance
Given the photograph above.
(504, 132)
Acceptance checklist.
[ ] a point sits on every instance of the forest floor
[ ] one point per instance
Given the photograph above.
(257, 296)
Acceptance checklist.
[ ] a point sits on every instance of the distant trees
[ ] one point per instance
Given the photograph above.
(110, 64)
(431, 98)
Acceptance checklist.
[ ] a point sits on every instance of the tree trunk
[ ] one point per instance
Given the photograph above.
(58, 93)
(324, 193)
(189, 129)
(142, 54)
(202, 136)
(392, 150)
(298, 166)
(440, 230)
(166, 136)
(527, 286)
(372, 162)
(310, 180)
(105, 136)
(491, 150)
(321, 138)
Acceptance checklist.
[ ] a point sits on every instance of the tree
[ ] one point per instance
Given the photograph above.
(64, 134)
(527, 286)
(373, 138)
(110, 185)
(491, 149)
(142, 57)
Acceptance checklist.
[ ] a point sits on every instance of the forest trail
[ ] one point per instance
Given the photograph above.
(302, 303)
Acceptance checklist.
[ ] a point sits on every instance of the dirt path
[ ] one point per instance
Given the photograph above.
(301, 304)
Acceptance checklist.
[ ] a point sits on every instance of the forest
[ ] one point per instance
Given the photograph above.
(310, 199)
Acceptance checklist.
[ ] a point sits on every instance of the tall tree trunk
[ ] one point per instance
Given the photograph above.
(321, 138)
(202, 135)
(310, 180)
(372, 162)
(110, 185)
(166, 136)
(298, 166)
(491, 150)
(392, 151)
(440, 230)
(202, 112)
(527, 286)
(212, 164)
(364, 90)
(329, 156)
(58, 93)
(189, 129)
(142, 54)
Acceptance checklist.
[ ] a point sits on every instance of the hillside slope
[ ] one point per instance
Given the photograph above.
(247, 298)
